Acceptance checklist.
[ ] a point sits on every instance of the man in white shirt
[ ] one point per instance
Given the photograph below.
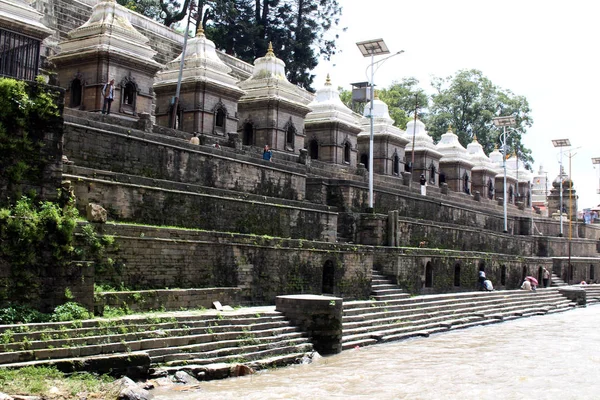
(108, 94)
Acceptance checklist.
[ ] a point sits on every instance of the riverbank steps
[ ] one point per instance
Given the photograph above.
(211, 344)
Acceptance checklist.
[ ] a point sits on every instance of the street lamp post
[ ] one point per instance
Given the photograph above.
(561, 143)
(504, 122)
(372, 48)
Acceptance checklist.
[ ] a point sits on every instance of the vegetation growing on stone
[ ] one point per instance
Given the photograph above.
(24, 111)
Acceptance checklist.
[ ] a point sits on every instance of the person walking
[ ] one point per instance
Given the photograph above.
(545, 277)
(108, 94)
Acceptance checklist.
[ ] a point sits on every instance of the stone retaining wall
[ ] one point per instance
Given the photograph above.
(261, 267)
(166, 300)
(409, 268)
(153, 156)
(140, 200)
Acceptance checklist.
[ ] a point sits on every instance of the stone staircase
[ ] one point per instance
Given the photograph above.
(370, 322)
(556, 281)
(382, 289)
(592, 293)
(256, 337)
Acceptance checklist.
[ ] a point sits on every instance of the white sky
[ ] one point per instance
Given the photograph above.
(546, 51)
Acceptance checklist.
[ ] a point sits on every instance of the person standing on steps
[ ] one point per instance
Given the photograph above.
(108, 94)
(545, 277)
(267, 153)
(423, 183)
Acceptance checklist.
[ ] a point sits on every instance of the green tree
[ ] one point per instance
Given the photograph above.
(469, 101)
(167, 12)
(149, 8)
(402, 98)
(298, 29)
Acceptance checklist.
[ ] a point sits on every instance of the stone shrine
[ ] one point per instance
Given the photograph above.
(272, 111)
(331, 128)
(208, 101)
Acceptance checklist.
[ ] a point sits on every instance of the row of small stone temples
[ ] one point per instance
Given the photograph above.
(221, 224)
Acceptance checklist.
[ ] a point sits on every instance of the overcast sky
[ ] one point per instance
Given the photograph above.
(546, 51)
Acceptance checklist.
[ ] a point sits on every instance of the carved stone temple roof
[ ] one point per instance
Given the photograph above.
(327, 106)
(423, 142)
(201, 64)
(108, 30)
(19, 16)
(452, 150)
(268, 81)
(480, 161)
(383, 124)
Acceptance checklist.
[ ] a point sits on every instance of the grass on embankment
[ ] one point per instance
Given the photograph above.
(50, 383)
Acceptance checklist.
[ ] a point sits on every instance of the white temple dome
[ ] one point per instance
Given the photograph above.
(478, 158)
(201, 64)
(327, 105)
(451, 149)
(422, 140)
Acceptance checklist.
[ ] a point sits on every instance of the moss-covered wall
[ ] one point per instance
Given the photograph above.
(159, 157)
(409, 268)
(31, 151)
(263, 267)
(135, 199)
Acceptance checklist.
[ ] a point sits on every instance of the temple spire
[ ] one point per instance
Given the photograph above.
(270, 50)
(200, 31)
(327, 81)
(474, 138)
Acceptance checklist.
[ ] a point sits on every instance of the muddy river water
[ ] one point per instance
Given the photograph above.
(545, 357)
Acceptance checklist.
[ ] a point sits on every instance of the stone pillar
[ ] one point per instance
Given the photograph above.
(407, 179)
(576, 294)
(304, 157)
(444, 188)
(319, 316)
(234, 140)
(392, 234)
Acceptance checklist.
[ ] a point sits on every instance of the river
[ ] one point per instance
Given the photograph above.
(544, 357)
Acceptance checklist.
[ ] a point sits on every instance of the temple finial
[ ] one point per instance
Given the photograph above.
(450, 127)
(496, 147)
(270, 50)
(376, 95)
(474, 138)
(327, 81)
(200, 31)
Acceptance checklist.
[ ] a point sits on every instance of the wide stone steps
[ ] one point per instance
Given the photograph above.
(162, 355)
(382, 289)
(370, 322)
(250, 354)
(394, 310)
(592, 293)
(212, 337)
(556, 281)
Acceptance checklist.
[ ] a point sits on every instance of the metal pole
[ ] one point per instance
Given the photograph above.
(177, 92)
(371, 136)
(504, 166)
(570, 214)
(412, 161)
(560, 176)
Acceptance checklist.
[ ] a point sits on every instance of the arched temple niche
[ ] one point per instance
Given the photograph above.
(328, 285)
(129, 92)
(220, 119)
(313, 148)
(248, 133)
(76, 89)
